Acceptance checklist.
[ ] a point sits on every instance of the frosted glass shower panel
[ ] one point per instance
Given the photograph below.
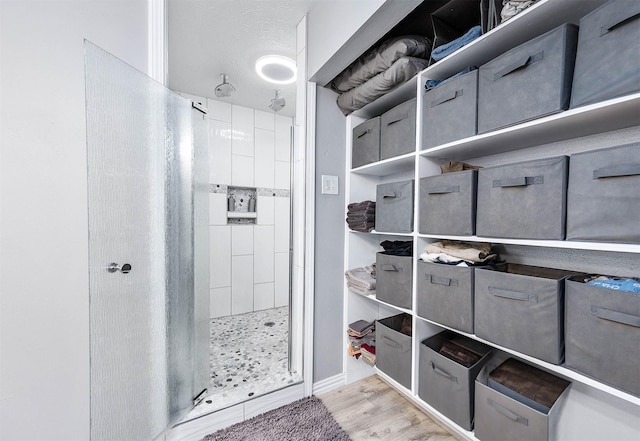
(140, 203)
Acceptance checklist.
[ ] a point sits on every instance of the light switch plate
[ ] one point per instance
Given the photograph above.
(329, 184)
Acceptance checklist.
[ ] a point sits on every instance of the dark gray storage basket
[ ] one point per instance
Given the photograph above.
(394, 207)
(366, 143)
(607, 61)
(447, 385)
(529, 81)
(521, 307)
(445, 295)
(394, 275)
(450, 111)
(603, 202)
(603, 334)
(499, 417)
(393, 348)
(525, 200)
(448, 203)
(398, 130)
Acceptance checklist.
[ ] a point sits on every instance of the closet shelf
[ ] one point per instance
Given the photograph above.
(594, 246)
(614, 114)
(565, 372)
(392, 166)
(537, 19)
(373, 298)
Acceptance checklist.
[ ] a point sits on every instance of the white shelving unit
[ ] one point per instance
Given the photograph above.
(544, 136)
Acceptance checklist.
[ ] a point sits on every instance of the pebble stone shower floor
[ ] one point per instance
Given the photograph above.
(249, 358)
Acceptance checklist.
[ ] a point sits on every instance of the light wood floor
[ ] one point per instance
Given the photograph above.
(371, 409)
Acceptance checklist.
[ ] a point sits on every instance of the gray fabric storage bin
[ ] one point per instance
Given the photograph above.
(499, 417)
(607, 61)
(448, 203)
(528, 82)
(393, 348)
(394, 275)
(445, 294)
(603, 334)
(449, 111)
(525, 200)
(603, 203)
(520, 307)
(446, 385)
(394, 207)
(366, 143)
(398, 130)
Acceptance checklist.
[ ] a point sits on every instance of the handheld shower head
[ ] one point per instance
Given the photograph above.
(225, 89)
(278, 102)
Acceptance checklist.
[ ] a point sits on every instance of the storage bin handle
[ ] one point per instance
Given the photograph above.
(391, 342)
(363, 133)
(441, 280)
(506, 412)
(448, 97)
(389, 267)
(521, 181)
(398, 118)
(616, 316)
(513, 295)
(518, 65)
(445, 189)
(389, 195)
(617, 170)
(442, 372)
(618, 22)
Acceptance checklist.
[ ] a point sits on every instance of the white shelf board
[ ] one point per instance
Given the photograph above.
(565, 372)
(534, 21)
(241, 214)
(593, 246)
(614, 114)
(381, 233)
(402, 93)
(373, 298)
(391, 166)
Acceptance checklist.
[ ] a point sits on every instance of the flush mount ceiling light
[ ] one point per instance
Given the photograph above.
(276, 69)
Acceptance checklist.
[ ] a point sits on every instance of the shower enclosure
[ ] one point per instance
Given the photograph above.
(148, 256)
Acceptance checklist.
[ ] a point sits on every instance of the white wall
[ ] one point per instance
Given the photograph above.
(44, 303)
(249, 263)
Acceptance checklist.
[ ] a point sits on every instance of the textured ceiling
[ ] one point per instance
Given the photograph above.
(210, 37)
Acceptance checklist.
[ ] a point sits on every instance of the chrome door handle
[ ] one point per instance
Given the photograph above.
(124, 269)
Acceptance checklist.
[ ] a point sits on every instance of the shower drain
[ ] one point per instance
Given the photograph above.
(270, 324)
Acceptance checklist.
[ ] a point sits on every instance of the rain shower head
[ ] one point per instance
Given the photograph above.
(278, 102)
(226, 88)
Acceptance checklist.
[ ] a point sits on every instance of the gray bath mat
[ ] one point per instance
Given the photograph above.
(303, 420)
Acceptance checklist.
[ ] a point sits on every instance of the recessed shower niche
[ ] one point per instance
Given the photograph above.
(241, 205)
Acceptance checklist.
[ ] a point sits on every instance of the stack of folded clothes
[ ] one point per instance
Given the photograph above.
(362, 280)
(458, 353)
(361, 216)
(381, 70)
(615, 283)
(368, 353)
(398, 247)
(447, 49)
(459, 253)
(362, 335)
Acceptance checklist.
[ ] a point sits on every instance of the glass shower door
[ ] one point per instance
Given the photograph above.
(140, 198)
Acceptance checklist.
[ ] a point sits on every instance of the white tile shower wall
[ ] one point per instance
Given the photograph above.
(220, 302)
(241, 284)
(263, 296)
(265, 158)
(219, 152)
(249, 263)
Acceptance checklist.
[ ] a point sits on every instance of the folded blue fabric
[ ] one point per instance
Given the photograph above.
(442, 51)
(626, 285)
(430, 84)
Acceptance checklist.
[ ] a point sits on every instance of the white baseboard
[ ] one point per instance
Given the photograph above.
(329, 384)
